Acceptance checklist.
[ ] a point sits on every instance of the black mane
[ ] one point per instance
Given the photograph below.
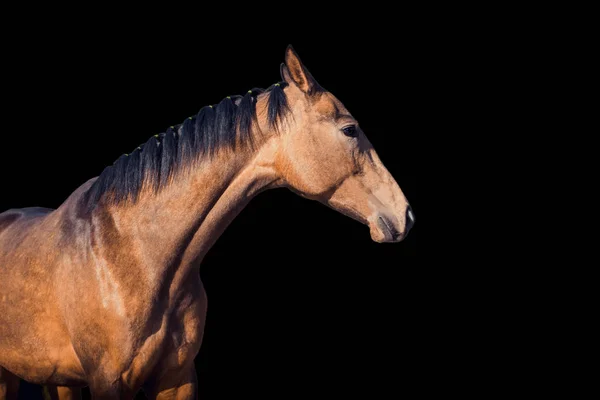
(154, 163)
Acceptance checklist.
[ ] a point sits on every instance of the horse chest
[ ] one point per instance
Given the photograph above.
(173, 346)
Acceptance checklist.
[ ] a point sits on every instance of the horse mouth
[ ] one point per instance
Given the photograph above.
(391, 233)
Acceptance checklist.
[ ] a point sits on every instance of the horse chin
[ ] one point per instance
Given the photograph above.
(383, 231)
(380, 237)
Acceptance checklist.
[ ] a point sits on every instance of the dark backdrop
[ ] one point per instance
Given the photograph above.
(300, 299)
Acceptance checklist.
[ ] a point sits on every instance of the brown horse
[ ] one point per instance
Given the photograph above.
(105, 290)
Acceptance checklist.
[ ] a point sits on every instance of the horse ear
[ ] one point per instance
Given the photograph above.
(285, 74)
(295, 72)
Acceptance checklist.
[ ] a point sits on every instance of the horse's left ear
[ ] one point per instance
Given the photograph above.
(294, 72)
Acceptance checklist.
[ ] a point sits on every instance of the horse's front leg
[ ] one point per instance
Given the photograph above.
(9, 385)
(176, 385)
(61, 393)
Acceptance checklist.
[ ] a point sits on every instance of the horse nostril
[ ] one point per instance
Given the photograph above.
(410, 219)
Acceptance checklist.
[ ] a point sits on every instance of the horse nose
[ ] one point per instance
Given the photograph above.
(410, 218)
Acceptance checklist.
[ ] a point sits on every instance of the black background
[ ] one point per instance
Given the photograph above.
(300, 298)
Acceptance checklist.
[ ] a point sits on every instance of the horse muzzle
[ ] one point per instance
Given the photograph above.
(387, 228)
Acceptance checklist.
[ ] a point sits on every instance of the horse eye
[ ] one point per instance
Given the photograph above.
(350, 131)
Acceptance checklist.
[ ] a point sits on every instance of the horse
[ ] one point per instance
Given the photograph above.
(105, 290)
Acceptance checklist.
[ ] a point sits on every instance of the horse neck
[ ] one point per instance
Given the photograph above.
(168, 233)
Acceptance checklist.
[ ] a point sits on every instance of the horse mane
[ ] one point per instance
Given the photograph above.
(154, 163)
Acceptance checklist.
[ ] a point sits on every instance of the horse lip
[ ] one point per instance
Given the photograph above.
(393, 232)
